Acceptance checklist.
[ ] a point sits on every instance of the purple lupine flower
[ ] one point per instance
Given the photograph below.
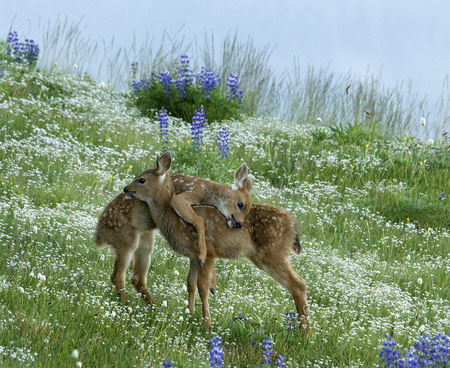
(389, 354)
(441, 196)
(291, 321)
(280, 361)
(22, 52)
(234, 92)
(216, 353)
(267, 350)
(140, 86)
(427, 352)
(167, 364)
(166, 81)
(198, 121)
(185, 76)
(223, 142)
(208, 80)
(163, 128)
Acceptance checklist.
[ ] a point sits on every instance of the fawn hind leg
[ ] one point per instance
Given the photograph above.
(181, 203)
(122, 259)
(282, 272)
(141, 263)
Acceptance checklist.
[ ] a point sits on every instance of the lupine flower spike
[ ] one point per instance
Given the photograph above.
(216, 353)
(163, 128)
(267, 350)
(198, 121)
(223, 143)
(234, 92)
(280, 361)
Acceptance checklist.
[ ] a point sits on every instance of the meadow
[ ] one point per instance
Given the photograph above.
(372, 208)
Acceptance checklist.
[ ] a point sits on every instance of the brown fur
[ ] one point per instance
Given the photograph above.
(267, 236)
(234, 202)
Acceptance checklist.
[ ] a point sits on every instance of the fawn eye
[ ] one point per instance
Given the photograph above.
(240, 205)
(141, 180)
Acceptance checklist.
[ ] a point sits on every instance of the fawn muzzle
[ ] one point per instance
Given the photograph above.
(233, 223)
(129, 194)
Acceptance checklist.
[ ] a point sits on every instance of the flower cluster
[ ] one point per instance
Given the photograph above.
(185, 76)
(223, 142)
(198, 121)
(207, 80)
(441, 196)
(166, 81)
(427, 352)
(216, 353)
(267, 350)
(142, 85)
(22, 52)
(167, 364)
(280, 361)
(234, 92)
(291, 321)
(163, 128)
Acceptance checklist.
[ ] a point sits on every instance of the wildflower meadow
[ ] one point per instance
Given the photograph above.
(373, 213)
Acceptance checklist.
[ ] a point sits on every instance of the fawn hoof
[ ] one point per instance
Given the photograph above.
(212, 290)
(201, 262)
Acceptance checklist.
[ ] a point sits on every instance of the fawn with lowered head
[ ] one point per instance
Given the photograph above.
(267, 235)
(234, 202)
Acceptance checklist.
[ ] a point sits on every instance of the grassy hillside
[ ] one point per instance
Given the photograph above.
(373, 211)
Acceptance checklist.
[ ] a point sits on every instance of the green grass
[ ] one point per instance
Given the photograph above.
(375, 236)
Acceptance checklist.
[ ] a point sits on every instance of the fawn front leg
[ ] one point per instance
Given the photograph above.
(181, 203)
(142, 259)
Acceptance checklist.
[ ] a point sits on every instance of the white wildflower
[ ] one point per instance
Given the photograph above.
(79, 364)
(41, 277)
(408, 257)
(430, 142)
(184, 288)
(181, 319)
(423, 121)
(420, 281)
(176, 273)
(187, 311)
(164, 304)
(102, 257)
(31, 274)
(35, 229)
(75, 354)
(21, 289)
(421, 328)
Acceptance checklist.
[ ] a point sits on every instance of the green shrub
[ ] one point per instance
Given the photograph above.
(185, 94)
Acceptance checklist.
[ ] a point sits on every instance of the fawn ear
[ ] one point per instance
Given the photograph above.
(240, 176)
(248, 183)
(163, 163)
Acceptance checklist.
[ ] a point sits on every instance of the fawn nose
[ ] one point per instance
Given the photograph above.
(125, 189)
(238, 224)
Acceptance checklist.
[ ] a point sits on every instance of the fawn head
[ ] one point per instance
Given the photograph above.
(239, 202)
(151, 183)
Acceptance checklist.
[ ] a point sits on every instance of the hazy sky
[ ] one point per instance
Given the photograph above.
(405, 39)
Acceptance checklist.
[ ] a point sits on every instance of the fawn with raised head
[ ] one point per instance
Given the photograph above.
(234, 202)
(268, 234)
